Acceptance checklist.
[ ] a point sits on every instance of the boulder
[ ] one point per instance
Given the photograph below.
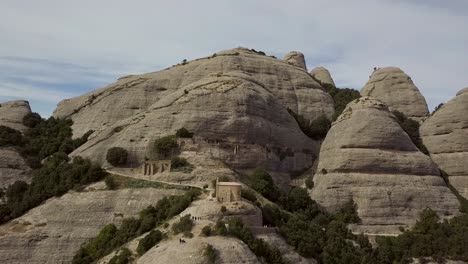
(367, 157)
(291, 86)
(396, 89)
(296, 58)
(322, 75)
(445, 135)
(12, 113)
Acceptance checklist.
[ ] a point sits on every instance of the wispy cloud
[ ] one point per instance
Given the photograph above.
(68, 48)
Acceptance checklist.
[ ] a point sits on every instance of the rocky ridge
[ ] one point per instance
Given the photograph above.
(367, 157)
(445, 134)
(12, 113)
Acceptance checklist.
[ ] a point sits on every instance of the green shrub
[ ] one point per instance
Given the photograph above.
(342, 97)
(258, 246)
(210, 253)
(149, 241)
(183, 133)
(411, 127)
(185, 224)
(262, 183)
(122, 258)
(220, 228)
(249, 195)
(309, 182)
(317, 129)
(181, 164)
(206, 231)
(10, 137)
(110, 182)
(165, 146)
(32, 119)
(116, 156)
(223, 209)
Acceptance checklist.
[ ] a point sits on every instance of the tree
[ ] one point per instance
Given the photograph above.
(309, 182)
(32, 119)
(165, 146)
(262, 182)
(116, 156)
(110, 182)
(149, 241)
(185, 224)
(10, 136)
(183, 133)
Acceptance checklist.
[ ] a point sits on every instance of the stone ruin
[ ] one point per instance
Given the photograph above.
(149, 168)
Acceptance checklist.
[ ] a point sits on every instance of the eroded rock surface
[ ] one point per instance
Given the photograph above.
(290, 85)
(13, 167)
(396, 89)
(445, 134)
(367, 157)
(234, 119)
(323, 75)
(12, 113)
(54, 231)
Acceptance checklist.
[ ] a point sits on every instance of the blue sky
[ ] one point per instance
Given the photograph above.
(55, 49)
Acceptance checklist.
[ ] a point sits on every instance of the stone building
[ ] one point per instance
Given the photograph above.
(228, 191)
(154, 167)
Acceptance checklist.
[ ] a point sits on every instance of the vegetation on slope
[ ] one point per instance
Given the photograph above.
(111, 237)
(49, 139)
(411, 127)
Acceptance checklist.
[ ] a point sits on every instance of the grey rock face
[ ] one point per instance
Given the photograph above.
(12, 113)
(295, 58)
(239, 122)
(13, 167)
(367, 157)
(54, 231)
(323, 75)
(290, 85)
(445, 134)
(396, 89)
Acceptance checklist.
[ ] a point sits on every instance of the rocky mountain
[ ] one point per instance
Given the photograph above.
(445, 134)
(289, 84)
(249, 118)
(323, 75)
(367, 157)
(396, 89)
(236, 101)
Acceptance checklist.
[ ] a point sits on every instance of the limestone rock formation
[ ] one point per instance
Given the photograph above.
(396, 89)
(291, 86)
(12, 113)
(295, 58)
(445, 134)
(234, 118)
(323, 75)
(54, 231)
(13, 167)
(367, 157)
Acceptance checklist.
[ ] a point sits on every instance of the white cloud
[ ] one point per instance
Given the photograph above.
(96, 41)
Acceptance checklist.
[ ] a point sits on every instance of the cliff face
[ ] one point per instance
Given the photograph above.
(367, 157)
(290, 85)
(396, 89)
(445, 134)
